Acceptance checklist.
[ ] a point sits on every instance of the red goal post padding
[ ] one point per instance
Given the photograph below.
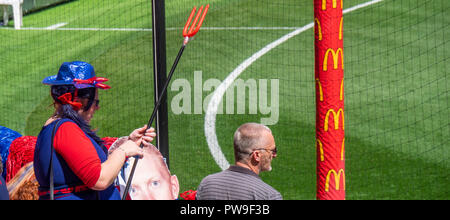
(329, 80)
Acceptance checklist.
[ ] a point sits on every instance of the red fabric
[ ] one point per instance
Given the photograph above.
(78, 152)
(189, 195)
(65, 190)
(96, 81)
(21, 152)
(66, 98)
(329, 76)
(108, 141)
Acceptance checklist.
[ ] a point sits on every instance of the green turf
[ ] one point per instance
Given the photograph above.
(396, 85)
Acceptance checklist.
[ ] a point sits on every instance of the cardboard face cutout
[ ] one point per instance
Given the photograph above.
(152, 179)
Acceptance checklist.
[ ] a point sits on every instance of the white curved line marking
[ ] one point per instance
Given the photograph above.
(210, 116)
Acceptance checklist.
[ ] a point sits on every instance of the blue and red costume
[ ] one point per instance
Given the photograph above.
(77, 162)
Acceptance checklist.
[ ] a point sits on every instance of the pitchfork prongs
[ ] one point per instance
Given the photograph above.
(195, 27)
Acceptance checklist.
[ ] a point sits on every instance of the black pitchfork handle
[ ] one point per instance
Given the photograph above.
(150, 122)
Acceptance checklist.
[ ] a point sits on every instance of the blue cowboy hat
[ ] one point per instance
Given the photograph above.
(77, 73)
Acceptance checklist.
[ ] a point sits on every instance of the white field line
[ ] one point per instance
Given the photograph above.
(211, 112)
(55, 26)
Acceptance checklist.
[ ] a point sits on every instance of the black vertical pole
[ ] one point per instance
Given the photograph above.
(160, 76)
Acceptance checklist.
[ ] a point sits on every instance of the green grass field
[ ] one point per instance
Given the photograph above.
(396, 85)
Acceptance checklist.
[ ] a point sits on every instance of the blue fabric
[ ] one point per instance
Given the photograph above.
(63, 175)
(4, 195)
(7, 136)
(70, 71)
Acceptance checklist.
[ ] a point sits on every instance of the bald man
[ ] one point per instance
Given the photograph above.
(254, 149)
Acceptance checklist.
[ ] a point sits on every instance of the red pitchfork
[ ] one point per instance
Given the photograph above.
(187, 34)
(190, 32)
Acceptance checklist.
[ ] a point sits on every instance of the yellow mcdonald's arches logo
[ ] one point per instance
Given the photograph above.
(341, 92)
(322, 157)
(319, 28)
(335, 55)
(324, 4)
(337, 179)
(340, 28)
(318, 142)
(320, 89)
(336, 119)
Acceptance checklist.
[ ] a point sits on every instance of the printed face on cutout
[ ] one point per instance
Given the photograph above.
(152, 179)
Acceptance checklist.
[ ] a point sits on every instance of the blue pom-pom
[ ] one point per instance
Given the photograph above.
(7, 136)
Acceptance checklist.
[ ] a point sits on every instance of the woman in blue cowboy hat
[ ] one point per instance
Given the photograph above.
(70, 161)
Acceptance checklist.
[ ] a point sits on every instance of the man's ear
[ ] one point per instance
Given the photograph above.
(256, 156)
(175, 186)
